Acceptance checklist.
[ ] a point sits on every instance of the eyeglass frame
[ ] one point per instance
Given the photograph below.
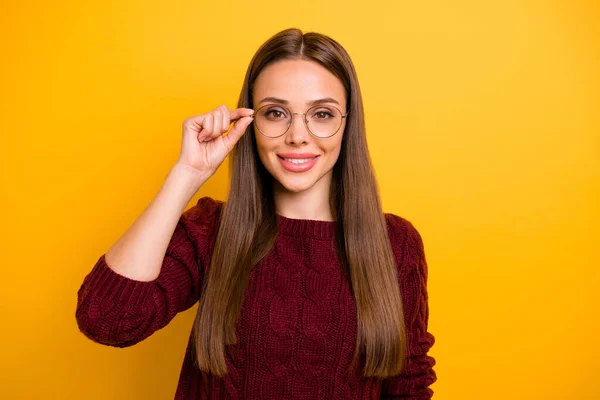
(253, 116)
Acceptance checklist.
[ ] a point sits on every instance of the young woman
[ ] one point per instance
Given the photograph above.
(306, 289)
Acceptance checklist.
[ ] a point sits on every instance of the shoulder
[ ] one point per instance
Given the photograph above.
(203, 217)
(406, 241)
(402, 232)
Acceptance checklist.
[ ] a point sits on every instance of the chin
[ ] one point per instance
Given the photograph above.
(295, 185)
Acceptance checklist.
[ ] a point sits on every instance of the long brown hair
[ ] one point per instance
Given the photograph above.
(248, 225)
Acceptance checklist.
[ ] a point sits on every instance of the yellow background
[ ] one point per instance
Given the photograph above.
(482, 120)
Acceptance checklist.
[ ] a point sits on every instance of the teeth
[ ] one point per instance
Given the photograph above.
(297, 160)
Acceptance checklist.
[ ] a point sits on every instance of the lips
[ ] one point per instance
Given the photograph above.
(297, 155)
(303, 162)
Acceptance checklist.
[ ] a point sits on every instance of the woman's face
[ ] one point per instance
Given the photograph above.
(299, 83)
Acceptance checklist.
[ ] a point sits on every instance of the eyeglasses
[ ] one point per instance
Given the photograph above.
(322, 121)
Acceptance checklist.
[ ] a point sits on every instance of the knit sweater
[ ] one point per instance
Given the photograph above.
(297, 328)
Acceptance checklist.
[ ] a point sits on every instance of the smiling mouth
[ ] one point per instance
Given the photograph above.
(298, 164)
(297, 160)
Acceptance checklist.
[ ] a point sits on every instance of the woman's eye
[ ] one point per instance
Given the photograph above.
(323, 114)
(275, 113)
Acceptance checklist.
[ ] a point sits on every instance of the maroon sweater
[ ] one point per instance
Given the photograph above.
(297, 327)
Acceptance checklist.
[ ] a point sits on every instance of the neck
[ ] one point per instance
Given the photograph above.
(312, 203)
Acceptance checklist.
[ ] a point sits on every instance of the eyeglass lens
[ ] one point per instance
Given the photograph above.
(322, 121)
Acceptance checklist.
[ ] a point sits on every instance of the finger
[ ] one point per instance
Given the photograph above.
(194, 123)
(240, 112)
(207, 125)
(239, 128)
(225, 114)
(217, 121)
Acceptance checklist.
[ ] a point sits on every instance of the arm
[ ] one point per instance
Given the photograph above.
(139, 252)
(418, 374)
(125, 299)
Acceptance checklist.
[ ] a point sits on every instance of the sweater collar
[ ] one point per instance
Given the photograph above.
(306, 227)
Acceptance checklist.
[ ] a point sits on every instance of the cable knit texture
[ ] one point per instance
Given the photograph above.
(297, 328)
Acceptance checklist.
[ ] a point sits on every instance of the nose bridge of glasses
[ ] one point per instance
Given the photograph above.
(304, 120)
(296, 113)
(303, 124)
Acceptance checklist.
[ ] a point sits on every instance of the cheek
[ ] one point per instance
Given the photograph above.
(263, 148)
(334, 150)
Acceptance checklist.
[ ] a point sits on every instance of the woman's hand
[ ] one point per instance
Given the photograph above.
(203, 147)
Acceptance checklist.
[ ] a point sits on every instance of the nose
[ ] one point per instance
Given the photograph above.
(298, 131)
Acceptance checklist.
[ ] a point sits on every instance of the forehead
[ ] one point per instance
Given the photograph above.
(298, 81)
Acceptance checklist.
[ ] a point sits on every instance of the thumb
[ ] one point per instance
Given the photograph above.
(236, 132)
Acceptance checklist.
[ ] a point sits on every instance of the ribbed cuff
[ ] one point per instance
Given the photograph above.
(110, 289)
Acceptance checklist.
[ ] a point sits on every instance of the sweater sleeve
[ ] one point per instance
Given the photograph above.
(118, 311)
(418, 374)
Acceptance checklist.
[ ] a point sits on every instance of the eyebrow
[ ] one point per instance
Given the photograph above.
(308, 103)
